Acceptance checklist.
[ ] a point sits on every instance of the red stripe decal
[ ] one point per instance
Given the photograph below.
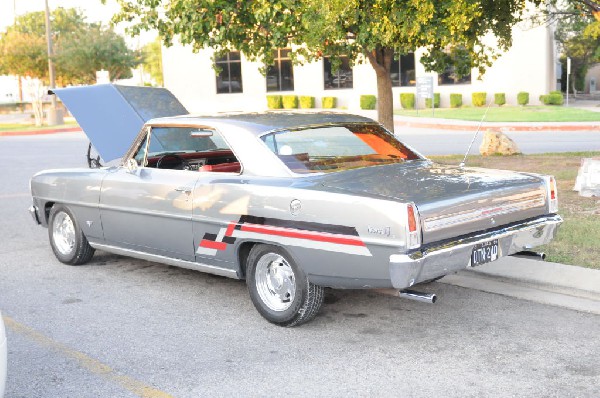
(209, 244)
(294, 233)
(230, 229)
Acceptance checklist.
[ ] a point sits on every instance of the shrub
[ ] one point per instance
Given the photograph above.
(455, 100)
(436, 101)
(368, 101)
(407, 100)
(479, 99)
(290, 101)
(499, 99)
(307, 102)
(523, 98)
(274, 102)
(329, 102)
(554, 98)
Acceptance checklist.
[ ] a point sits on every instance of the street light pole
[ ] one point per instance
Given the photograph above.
(54, 114)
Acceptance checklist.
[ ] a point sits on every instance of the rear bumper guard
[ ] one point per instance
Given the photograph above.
(409, 269)
(34, 211)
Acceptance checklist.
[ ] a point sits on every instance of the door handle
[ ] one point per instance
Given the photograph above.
(186, 190)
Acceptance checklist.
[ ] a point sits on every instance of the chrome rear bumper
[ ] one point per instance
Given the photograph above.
(409, 269)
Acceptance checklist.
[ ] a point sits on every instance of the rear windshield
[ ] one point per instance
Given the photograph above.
(336, 148)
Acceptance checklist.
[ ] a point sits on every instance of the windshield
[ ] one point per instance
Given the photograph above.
(335, 148)
(180, 140)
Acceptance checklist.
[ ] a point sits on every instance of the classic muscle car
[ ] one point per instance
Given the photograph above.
(290, 202)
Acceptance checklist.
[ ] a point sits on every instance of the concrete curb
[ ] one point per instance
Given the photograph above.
(561, 285)
(41, 131)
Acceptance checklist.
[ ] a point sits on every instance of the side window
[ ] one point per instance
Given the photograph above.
(186, 148)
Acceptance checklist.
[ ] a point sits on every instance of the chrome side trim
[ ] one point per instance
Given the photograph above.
(210, 269)
(153, 213)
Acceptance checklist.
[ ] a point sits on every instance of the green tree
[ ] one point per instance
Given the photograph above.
(374, 30)
(152, 53)
(80, 48)
(81, 53)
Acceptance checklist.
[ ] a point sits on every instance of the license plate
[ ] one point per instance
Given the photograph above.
(485, 252)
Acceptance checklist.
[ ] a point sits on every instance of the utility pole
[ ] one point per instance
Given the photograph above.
(568, 73)
(54, 115)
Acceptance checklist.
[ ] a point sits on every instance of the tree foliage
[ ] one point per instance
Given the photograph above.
(578, 34)
(152, 53)
(80, 48)
(374, 30)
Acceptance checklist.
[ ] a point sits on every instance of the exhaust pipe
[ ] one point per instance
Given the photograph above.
(418, 296)
(531, 254)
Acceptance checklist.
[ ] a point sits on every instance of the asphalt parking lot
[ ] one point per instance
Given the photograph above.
(118, 327)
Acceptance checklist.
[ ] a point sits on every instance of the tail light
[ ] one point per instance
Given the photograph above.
(552, 194)
(413, 229)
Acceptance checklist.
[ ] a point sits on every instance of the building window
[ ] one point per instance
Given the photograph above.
(450, 77)
(342, 78)
(280, 75)
(229, 80)
(403, 71)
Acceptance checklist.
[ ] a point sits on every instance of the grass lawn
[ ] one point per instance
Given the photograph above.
(510, 114)
(578, 238)
(30, 127)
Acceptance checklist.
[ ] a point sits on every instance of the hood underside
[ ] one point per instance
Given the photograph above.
(111, 116)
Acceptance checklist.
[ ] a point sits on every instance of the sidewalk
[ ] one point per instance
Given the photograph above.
(463, 125)
(555, 284)
(41, 131)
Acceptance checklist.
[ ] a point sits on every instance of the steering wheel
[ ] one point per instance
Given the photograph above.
(172, 161)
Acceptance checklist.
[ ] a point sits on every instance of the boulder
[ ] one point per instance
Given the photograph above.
(588, 178)
(497, 143)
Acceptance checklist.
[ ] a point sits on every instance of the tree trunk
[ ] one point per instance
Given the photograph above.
(385, 101)
(381, 61)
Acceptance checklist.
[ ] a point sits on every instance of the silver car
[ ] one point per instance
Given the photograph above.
(291, 202)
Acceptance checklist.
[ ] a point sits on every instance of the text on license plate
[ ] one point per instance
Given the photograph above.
(484, 253)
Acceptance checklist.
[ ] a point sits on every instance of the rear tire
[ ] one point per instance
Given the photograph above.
(279, 289)
(69, 244)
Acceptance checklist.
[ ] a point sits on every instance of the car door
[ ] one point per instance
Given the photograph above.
(149, 210)
(147, 206)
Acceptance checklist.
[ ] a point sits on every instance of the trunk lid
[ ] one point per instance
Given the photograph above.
(451, 201)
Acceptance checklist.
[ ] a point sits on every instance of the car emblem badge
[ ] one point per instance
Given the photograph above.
(295, 207)
(89, 223)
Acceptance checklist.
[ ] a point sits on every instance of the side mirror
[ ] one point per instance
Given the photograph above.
(131, 165)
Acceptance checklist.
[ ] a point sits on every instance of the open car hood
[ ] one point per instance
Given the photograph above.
(111, 116)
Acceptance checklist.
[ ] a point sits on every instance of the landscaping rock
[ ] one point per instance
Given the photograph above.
(497, 143)
(588, 178)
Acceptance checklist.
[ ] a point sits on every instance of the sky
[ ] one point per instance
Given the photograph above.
(94, 11)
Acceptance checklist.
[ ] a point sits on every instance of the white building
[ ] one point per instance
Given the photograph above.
(530, 65)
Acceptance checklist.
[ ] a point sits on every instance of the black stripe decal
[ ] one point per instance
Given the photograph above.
(302, 225)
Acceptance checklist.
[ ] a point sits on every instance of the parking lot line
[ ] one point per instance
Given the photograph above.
(93, 365)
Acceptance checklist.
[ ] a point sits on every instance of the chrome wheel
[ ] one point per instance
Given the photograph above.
(63, 233)
(275, 281)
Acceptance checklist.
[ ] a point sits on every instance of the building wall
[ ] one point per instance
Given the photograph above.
(528, 66)
(593, 73)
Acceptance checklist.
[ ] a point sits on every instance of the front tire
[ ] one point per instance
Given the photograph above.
(279, 289)
(69, 244)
